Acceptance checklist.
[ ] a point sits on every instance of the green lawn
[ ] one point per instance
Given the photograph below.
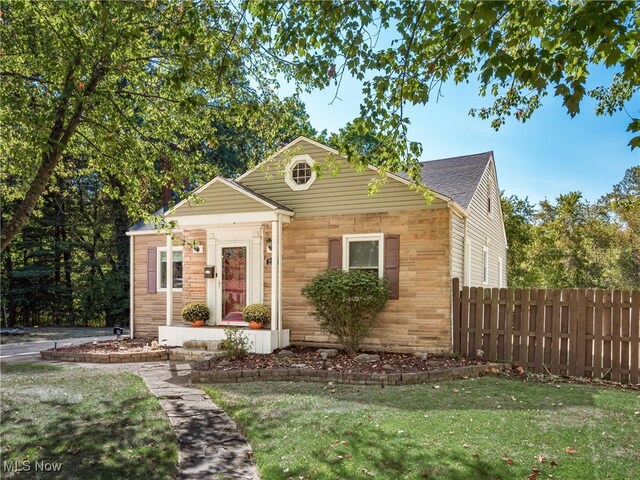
(98, 425)
(469, 429)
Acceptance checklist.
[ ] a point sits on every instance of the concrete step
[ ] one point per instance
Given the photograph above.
(191, 355)
(209, 345)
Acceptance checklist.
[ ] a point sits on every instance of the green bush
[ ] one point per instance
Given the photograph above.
(195, 311)
(235, 344)
(347, 304)
(256, 313)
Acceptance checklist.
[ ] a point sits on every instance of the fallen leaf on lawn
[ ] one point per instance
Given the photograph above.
(535, 471)
(475, 455)
(508, 461)
(249, 455)
(343, 443)
(455, 390)
(513, 398)
(436, 386)
(367, 472)
(347, 456)
(466, 445)
(570, 450)
(553, 463)
(540, 458)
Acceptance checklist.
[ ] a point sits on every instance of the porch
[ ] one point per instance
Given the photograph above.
(260, 341)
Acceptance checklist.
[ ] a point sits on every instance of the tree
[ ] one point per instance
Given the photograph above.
(134, 84)
(403, 52)
(518, 223)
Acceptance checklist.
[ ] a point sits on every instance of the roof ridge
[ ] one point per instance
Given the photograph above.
(457, 157)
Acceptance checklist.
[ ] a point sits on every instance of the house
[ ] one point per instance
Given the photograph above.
(264, 235)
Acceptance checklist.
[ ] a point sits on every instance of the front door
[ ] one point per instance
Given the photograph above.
(233, 285)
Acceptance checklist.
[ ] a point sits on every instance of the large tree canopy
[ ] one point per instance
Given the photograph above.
(128, 86)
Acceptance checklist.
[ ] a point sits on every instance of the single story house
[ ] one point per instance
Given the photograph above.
(261, 237)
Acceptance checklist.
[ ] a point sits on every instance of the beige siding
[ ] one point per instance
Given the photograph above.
(149, 309)
(345, 193)
(220, 198)
(457, 246)
(193, 289)
(420, 319)
(486, 230)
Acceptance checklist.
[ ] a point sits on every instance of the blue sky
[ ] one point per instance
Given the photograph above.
(548, 155)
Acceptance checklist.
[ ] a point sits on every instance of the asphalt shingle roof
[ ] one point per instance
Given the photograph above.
(455, 177)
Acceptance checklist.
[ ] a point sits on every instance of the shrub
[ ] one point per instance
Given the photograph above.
(347, 304)
(195, 311)
(257, 313)
(235, 344)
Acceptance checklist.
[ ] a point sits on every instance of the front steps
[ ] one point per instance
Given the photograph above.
(196, 351)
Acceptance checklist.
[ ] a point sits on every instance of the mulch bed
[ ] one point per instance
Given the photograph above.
(308, 357)
(124, 345)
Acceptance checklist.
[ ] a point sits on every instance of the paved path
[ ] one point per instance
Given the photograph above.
(210, 445)
(28, 351)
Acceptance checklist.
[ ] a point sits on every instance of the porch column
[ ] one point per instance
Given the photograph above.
(275, 242)
(169, 278)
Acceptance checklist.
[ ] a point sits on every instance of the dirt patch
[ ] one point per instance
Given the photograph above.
(309, 357)
(124, 345)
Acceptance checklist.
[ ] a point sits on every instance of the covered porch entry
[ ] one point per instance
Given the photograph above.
(231, 258)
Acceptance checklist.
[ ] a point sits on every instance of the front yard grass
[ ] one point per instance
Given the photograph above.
(486, 428)
(98, 425)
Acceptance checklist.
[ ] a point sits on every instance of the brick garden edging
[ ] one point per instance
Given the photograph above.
(319, 375)
(67, 356)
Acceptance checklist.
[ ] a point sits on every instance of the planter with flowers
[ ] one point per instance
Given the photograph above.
(256, 315)
(196, 314)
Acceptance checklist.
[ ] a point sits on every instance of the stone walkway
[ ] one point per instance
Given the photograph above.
(210, 444)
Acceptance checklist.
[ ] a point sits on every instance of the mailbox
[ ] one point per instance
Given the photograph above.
(209, 272)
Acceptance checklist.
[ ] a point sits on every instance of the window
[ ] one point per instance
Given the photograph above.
(162, 268)
(299, 174)
(485, 265)
(500, 273)
(363, 252)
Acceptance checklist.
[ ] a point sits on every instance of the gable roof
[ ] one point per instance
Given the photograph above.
(273, 205)
(455, 177)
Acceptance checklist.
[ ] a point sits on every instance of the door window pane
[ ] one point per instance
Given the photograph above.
(234, 279)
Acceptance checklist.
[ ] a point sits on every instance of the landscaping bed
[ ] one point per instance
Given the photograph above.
(124, 345)
(310, 358)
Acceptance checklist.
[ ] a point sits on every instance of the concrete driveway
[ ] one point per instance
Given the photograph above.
(28, 351)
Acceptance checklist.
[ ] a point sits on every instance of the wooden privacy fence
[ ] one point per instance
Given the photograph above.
(579, 332)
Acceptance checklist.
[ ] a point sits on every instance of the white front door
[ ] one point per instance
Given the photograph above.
(236, 254)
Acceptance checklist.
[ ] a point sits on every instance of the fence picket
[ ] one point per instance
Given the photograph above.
(635, 336)
(598, 311)
(508, 326)
(615, 336)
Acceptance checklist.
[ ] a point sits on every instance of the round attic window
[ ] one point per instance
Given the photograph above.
(299, 173)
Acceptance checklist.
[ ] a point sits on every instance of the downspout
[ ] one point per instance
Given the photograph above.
(279, 280)
(131, 289)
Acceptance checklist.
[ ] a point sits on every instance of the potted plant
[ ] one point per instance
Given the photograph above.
(257, 315)
(196, 314)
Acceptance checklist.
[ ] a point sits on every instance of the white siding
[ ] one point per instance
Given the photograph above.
(486, 230)
(457, 246)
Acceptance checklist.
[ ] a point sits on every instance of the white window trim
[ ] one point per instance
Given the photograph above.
(159, 266)
(485, 265)
(363, 237)
(500, 273)
(288, 169)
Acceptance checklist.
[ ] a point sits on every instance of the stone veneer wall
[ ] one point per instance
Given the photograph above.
(420, 319)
